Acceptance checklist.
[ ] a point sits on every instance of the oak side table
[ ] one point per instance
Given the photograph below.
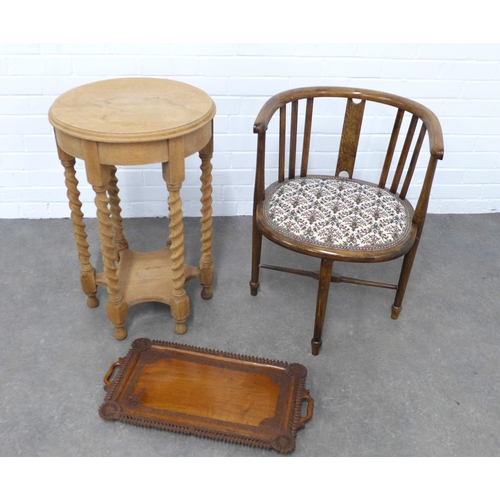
(136, 121)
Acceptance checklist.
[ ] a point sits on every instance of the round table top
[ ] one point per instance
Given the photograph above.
(131, 110)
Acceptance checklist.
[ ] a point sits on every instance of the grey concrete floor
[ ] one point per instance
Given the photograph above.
(425, 385)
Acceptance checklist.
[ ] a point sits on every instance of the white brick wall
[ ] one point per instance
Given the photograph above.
(459, 82)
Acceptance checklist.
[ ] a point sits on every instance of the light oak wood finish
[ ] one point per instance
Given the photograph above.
(285, 105)
(206, 264)
(136, 121)
(87, 271)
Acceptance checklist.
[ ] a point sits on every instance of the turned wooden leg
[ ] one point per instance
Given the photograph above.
(258, 197)
(116, 218)
(256, 252)
(206, 263)
(180, 301)
(403, 279)
(87, 271)
(325, 276)
(169, 241)
(116, 307)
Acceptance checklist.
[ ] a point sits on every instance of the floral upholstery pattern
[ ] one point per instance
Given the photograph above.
(337, 213)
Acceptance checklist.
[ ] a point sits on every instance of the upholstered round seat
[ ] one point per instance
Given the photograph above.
(337, 214)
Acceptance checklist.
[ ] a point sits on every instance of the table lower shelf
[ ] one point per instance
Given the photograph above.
(146, 276)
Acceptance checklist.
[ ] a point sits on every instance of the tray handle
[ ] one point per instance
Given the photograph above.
(110, 372)
(310, 408)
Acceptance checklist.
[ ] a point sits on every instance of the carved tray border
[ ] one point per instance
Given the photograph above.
(282, 443)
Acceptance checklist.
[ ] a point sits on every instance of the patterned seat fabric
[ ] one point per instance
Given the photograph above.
(337, 213)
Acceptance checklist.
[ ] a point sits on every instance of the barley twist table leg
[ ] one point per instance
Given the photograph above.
(87, 271)
(180, 301)
(206, 263)
(116, 218)
(116, 307)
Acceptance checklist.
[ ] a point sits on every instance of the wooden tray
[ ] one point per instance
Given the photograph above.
(238, 399)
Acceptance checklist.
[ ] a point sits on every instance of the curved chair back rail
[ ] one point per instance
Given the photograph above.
(396, 154)
(425, 114)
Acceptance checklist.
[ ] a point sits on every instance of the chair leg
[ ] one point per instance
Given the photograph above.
(256, 252)
(403, 280)
(325, 276)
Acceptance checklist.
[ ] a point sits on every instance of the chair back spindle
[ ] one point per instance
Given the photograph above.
(390, 149)
(293, 139)
(307, 137)
(282, 139)
(413, 162)
(404, 154)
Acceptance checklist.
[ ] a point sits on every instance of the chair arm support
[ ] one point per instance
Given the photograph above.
(259, 187)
